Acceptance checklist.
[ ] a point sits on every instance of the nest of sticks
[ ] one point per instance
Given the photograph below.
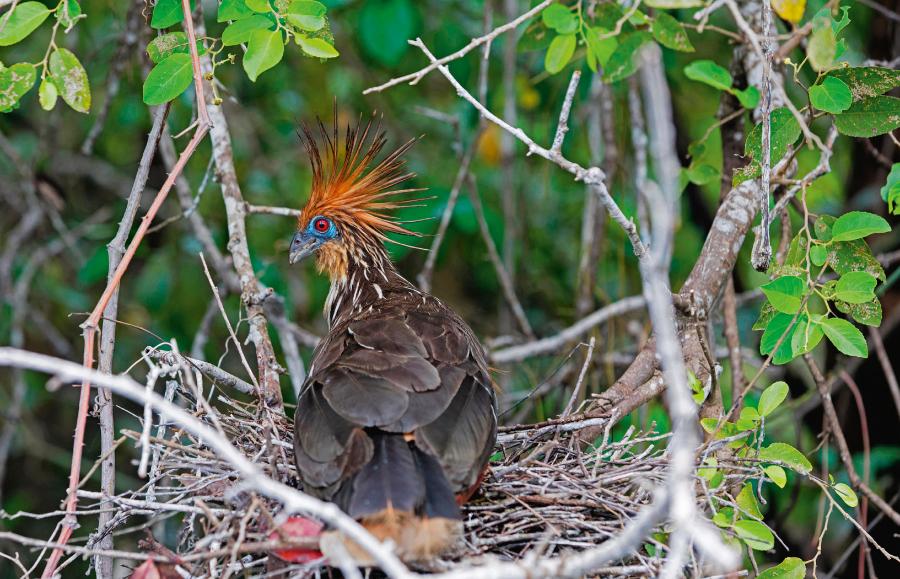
(546, 494)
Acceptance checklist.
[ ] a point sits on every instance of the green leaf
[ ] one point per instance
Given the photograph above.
(818, 254)
(261, 6)
(755, 534)
(787, 455)
(869, 118)
(599, 49)
(70, 79)
(749, 97)
(559, 53)
(890, 192)
(779, 326)
(560, 18)
(24, 19)
(708, 72)
(384, 28)
(858, 224)
(723, 517)
(856, 287)
(15, 81)
(168, 79)
(749, 419)
(790, 568)
(807, 336)
(68, 13)
(233, 10)
(868, 313)
(166, 13)
(822, 47)
(621, 63)
(847, 495)
(747, 501)
(784, 132)
(306, 15)
(239, 32)
(167, 44)
(766, 313)
(47, 94)
(316, 47)
(846, 337)
(832, 95)
(785, 293)
(777, 474)
(867, 81)
(772, 397)
(264, 50)
(669, 32)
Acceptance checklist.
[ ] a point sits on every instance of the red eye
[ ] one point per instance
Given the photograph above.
(321, 225)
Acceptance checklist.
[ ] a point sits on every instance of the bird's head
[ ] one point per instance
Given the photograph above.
(350, 197)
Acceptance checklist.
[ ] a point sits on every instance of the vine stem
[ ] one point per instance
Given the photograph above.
(90, 326)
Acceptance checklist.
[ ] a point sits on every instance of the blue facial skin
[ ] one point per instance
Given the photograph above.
(307, 241)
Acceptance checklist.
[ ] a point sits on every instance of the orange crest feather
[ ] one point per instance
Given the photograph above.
(346, 188)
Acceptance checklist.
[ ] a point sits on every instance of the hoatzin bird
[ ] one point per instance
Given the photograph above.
(398, 416)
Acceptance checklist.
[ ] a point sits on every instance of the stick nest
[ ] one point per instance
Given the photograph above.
(545, 495)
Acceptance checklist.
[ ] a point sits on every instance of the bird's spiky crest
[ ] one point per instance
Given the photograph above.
(346, 186)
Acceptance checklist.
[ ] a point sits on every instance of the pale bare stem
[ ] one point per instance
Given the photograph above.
(265, 210)
(115, 250)
(90, 326)
(555, 342)
(232, 335)
(593, 176)
(576, 391)
(506, 284)
(687, 527)
(424, 277)
(415, 77)
(562, 126)
(761, 254)
(253, 478)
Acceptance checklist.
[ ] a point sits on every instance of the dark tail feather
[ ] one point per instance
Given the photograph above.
(403, 495)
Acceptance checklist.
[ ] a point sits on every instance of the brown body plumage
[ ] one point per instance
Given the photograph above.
(397, 418)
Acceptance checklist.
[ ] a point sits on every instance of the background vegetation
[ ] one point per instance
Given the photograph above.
(75, 164)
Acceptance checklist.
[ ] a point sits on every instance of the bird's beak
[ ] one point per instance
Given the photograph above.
(301, 247)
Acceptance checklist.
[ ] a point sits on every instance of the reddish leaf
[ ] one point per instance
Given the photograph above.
(296, 528)
(147, 570)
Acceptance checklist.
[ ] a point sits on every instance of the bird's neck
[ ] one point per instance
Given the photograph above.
(360, 278)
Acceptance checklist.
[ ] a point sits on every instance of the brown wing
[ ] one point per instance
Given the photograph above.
(413, 367)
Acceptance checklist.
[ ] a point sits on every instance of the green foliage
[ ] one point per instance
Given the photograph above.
(832, 95)
(890, 192)
(167, 12)
(22, 21)
(846, 494)
(786, 455)
(559, 53)
(784, 130)
(384, 28)
(70, 79)
(786, 317)
(870, 117)
(15, 81)
(790, 568)
(167, 44)
(772, 397)
(866, 82)
(670, 33)
(168, 79)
